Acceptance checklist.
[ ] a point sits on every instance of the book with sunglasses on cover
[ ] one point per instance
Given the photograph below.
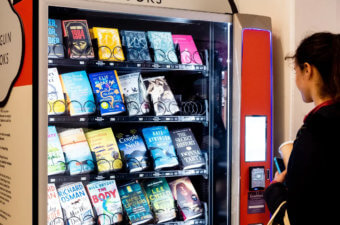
(55, 39)
(107, 89)
(163, 100)
(135, 203)
(109, 45)
(136, 45)
(77, 151)
(55, 95)
(54, 211)
(76, 204)
(187, 148)
(158, 142)
(187, 199)
(104, 146)
(135, 95)
(132, 146)
(106, 201)
(55, 156)
(163, 46)
(160, 198)
(187, 48)
(77, 89)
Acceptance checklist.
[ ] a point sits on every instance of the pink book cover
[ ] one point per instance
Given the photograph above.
(187, 47)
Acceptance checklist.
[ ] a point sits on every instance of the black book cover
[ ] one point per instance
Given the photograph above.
(136, 45)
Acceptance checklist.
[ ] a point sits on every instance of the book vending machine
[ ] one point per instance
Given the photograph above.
(133, 112)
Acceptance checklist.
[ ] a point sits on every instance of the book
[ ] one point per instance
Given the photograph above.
(187, 199)
(106, 201)
(187, 148)
(136, 45)
(55, 39)
(77, 89)
(107, 89)
(77, 152)
(163, 100)
(133, 148)
(187, 48)
(163, 47)
(76, 204)
(79, 45)
(135, 95)
(103, 144)
(135, 203)
(160, 197)
(55, 156)
(54, 211)
(159, 143)
(109, 45)
(55, 95)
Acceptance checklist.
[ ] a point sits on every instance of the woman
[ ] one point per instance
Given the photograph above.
(310, 188)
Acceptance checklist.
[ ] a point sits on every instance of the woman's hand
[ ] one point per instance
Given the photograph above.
(280, 177)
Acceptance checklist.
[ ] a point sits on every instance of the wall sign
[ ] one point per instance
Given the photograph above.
(11, 49)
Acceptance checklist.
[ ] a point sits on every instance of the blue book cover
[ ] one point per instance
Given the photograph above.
(160, 145)
(79, 94)
(136, 45)
(135, 203)
(107, 89)
(163, 46)
(134, 150)
(55, 39)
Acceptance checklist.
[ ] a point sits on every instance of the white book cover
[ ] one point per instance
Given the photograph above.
(106, 201)
(54, 212)
(55, 156)
(76, 204)
(55, 96)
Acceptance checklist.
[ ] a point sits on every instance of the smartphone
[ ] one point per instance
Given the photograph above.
(280, 166)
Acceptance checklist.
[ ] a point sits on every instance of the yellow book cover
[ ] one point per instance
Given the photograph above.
(109, 45)
(103, 143)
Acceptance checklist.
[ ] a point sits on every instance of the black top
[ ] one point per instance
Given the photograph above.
(312, 190)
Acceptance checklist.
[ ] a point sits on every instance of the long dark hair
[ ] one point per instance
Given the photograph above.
(323, 51)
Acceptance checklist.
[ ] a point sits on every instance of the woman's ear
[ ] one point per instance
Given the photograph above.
(307, 70)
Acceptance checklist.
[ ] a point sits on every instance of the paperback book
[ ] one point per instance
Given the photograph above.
(187, 148)
(79, 45)
(76, 204)
(187, 48)
(187, 199)
(132, 146)
(103, 144)
(54, 211)
(136, 45)
(55, 156)
(77, 152)
(55, 95)
(160, 197)
(78, 93)
(163, 46)
(55, 39)
(107, 88)
(106, 201)
(135, 203)
(159, 143)
(135, 94)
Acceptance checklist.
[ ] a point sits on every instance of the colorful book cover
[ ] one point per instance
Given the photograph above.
(187, 148)
(77, 152)
(136, 45)
(135, 203)
(55, 156)
(107, 88)
(78, 39)
(163, 46)
(160, 197)
(76, 204)
(163, 100)
(132, 146)
(78, 92)
(54, 211)
(55, 95)
(187, 199)
(135, 94)
(109, 46)
(103, 144)
(106, 201)
(55, 39)
(187, 48)
(159, 143)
